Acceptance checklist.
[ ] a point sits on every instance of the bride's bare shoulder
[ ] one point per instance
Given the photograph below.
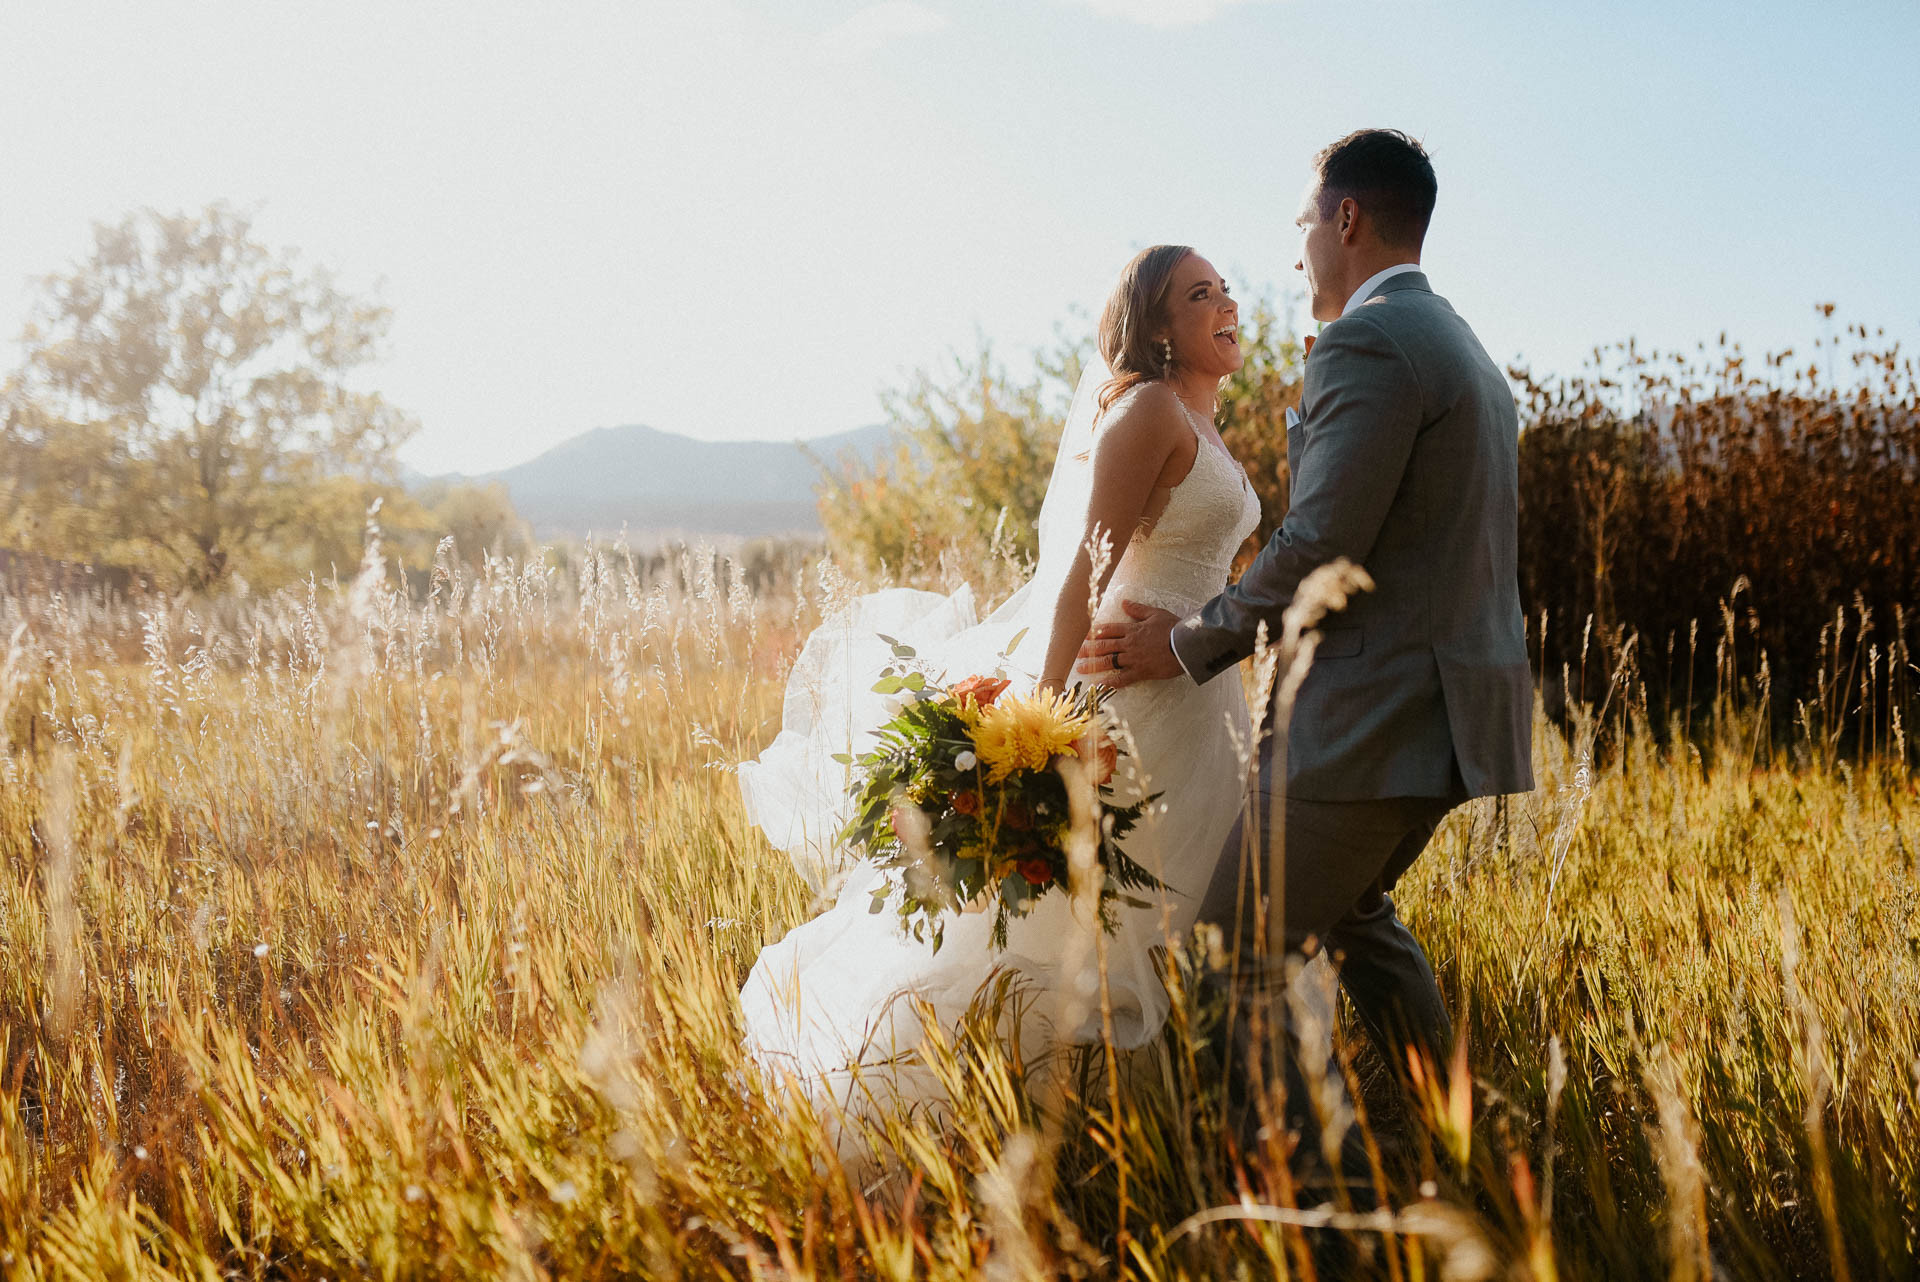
(1146, 414)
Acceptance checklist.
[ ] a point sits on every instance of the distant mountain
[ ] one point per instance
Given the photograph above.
(660, 484)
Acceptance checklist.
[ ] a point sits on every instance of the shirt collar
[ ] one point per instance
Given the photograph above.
(1374, 282)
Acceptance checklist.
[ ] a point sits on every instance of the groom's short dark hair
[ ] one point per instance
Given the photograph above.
(1388, 175)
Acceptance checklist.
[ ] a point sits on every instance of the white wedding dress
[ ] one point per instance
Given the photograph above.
(837, 1005)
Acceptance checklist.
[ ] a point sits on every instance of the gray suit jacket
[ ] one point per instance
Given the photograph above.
(1406, 463)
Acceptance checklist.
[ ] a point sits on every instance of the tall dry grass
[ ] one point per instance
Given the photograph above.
(1687, 510)
(348, 935)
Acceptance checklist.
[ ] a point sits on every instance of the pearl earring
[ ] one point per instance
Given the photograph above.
(1166, 356)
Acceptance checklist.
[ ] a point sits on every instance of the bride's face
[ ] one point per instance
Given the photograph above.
(1203, 321)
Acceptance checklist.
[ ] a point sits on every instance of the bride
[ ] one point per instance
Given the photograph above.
(841, 1003)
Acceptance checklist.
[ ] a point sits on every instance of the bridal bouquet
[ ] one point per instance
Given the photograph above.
(965, 800)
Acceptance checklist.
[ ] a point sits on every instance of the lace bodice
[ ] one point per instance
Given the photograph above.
(1182, 562)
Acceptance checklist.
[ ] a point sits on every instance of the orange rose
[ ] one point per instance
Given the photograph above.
(1106, 758)
(1038, 872)
(1099, 748)
(967, 801)
(981, 691)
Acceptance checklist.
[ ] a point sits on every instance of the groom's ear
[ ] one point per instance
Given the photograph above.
(1347, 220)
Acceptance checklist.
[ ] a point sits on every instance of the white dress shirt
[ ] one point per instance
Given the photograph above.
(1374, 282)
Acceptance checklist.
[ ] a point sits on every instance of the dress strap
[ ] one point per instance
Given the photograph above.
(1194, 420)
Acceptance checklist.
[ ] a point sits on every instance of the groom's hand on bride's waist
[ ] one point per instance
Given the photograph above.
(1120, 654)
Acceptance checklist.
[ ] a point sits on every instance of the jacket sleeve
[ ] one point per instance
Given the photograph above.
(1363, 416)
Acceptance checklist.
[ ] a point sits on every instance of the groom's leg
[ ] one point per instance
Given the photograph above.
(1339, 855)
(1338, 858)
(1384, 970)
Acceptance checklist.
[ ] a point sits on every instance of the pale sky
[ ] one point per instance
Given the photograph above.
(744, 218)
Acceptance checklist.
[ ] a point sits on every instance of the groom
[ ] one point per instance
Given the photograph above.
(1419, 696)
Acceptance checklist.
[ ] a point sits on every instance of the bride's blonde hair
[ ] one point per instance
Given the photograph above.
(1137, 306)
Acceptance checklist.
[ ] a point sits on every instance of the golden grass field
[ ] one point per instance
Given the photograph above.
(343, 936)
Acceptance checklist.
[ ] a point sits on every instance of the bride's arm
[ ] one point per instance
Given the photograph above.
(1145, 446)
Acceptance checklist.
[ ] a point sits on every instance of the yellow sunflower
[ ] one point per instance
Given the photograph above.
(1026, 733)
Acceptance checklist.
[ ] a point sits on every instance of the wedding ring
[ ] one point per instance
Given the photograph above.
(1116, 661)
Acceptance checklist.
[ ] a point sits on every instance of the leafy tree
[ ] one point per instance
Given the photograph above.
(186, 404)
(478, 516)
(971, 455)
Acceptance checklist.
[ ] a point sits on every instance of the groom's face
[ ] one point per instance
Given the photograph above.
(1320, 255)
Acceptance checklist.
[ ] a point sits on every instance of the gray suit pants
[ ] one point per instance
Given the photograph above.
(1341, 860)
